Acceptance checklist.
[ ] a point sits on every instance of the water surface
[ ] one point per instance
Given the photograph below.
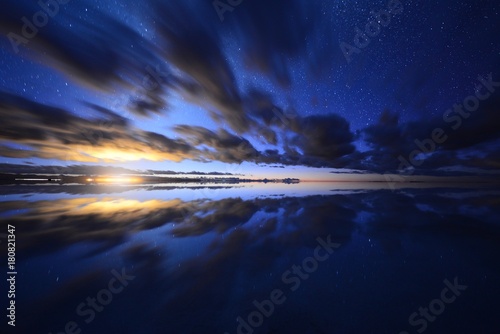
(199, 260)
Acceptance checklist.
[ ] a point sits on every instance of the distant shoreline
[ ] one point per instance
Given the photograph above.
(21, 179)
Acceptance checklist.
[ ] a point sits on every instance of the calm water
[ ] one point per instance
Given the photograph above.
(275, 258)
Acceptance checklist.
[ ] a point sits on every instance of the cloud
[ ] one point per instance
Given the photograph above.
(272, 41)
(105, 54)
(319, 141)
(480, 127)
(192, 54)
(191, 40)
(91, 53)
(54, 133)
(51, 132)
(325, 137)
(222, 146)
(195, 42)
(470, 141)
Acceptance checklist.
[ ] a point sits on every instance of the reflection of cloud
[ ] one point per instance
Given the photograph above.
(257, 251)
(217, 216)
(254, 239)
(53, 224)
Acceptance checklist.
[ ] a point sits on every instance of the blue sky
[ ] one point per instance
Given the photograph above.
(169, 85)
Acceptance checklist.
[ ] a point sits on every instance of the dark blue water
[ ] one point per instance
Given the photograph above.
(255, 260)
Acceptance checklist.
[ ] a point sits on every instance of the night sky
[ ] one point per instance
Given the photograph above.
(264, 88)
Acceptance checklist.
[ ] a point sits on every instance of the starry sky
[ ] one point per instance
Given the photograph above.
(289, 88)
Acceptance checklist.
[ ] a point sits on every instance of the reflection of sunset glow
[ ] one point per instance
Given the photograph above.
(111, 206)
(111, 209)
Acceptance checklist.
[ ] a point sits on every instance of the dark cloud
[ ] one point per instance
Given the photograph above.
(94, 53)
(146, 104)
(323, 137)
(274, 34)
(51, 132)
(319, 141)
(480, 127)
(469, 141)
(269, 136)
(106, 54)
(194, 38)
(222, 146)
(192, 43)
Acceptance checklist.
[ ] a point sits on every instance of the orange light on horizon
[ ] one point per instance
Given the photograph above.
(118, 179)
